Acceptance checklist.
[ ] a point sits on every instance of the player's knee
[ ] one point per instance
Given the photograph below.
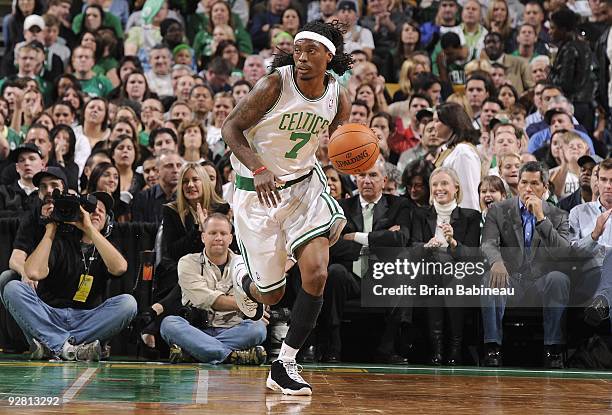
(273, 297)
(315, 282)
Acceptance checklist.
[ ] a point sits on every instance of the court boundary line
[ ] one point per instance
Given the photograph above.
(201, 396)
(78, 384)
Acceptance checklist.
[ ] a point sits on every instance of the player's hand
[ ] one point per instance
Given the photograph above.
(499, 275)
(265, 186)
(394, 228)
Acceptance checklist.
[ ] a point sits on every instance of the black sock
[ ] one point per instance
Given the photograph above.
(303, 318)
(246, 286)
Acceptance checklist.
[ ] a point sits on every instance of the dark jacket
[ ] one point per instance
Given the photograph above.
(14, 200)
(389, 211)
(466, 230)
(571, 201)
(503, 239)
(573, 71)
(603, 73)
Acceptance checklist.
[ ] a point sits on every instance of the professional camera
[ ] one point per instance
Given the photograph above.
(66, 207)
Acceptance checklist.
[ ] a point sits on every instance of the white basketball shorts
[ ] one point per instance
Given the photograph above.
(267, 236)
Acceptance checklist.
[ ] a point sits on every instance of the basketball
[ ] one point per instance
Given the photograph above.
(353, 148)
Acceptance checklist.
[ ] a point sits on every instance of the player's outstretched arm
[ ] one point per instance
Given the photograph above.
(246, 114)
(344, 111)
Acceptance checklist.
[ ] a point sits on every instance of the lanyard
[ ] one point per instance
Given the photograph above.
(92, 258)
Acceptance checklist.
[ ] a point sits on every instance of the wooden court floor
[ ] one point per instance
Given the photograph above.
(159, 388)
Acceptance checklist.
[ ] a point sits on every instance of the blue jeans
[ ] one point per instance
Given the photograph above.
(5, 278)
(54, 326)
(214, 344)
(551, 290)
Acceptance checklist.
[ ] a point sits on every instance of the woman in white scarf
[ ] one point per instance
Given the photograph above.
(445, 233)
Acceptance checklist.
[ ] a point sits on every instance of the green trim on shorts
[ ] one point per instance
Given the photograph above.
(271, 287)
(268, 288)
(245, 255)
(247, 183)
(313, 233)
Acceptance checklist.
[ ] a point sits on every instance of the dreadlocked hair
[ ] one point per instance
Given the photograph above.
(340, 63)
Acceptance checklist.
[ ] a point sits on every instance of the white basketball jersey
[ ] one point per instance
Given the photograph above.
(287, 136)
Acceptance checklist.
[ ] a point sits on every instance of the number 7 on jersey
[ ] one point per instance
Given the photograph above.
(302, 139)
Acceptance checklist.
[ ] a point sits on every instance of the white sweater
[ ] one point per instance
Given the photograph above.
(466, 163)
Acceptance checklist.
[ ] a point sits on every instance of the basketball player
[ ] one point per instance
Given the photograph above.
(282, 206)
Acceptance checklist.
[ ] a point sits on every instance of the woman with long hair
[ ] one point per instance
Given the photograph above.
(62, 153)
(454, 126)
(221, 13)
(135, 87)
(21, 10)
(454, 238)
(291, 20)
(93, 18)
(105, 178)
(507, 95)
(214, 175)
(415, 182)
(229, 52)
(125, 155)
(373, 96)
(337, 187)
(93, 129)
(192, 145)
(408, 41)
(498, 20)
(407, 75)
(223, 105)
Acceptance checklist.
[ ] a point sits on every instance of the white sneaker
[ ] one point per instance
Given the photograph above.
(85, 352)
(251, 309)
(285, 377)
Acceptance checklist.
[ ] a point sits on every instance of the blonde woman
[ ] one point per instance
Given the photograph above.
(498, 20)
(445, 232)
(407, 74)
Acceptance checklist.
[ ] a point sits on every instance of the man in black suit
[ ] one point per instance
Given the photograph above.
(374, 220)
(524, 239)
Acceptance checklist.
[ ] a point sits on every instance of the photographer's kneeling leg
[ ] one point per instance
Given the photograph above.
(35, 318)
(6, 277)
(104, 321)
(200, 345)
(244, 341)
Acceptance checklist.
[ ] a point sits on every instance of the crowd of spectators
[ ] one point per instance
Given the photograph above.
(494, 126)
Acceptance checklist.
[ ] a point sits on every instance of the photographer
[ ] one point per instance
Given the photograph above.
(31, 225)
(66, 317)
(216, 331)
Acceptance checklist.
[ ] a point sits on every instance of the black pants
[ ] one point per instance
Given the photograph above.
(342, 285)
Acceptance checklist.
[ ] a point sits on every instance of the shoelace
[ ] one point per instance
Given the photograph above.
(293, 371)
